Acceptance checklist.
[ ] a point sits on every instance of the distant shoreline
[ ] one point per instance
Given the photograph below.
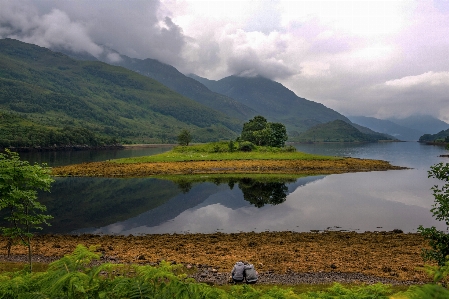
(63, 148)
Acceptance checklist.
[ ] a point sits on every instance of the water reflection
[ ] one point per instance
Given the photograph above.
(258, 192)
(382, 201)
(203, 192)
(262, 193)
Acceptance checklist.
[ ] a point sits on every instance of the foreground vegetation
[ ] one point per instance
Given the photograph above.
(75, 276)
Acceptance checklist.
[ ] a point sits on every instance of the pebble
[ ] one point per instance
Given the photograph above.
(292, 278)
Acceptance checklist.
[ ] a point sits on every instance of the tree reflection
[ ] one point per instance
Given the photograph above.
(262, 193)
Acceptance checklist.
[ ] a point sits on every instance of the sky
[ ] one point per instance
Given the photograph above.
(372, 58)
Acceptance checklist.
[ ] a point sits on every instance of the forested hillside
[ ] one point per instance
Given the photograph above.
(173, 79)
(274, 101)
(442, 136)
(53, 91)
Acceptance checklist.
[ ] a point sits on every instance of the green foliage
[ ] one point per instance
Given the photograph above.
(184, 138)
(438, 240)
(19, 182)
(16, 131)
(376, 291)
(260, 132)
(246, 146)
(231, 146)
(438, 289)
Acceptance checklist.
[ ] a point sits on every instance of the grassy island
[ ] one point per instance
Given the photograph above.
(224, 158)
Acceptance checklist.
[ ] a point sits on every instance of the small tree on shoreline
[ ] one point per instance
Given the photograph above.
(438, 240)
(19, 182)
(184, 138)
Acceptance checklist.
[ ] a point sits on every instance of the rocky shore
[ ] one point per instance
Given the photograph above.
(279, 257)
(309, 167)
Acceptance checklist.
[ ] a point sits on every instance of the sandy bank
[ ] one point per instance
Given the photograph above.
(108, 169)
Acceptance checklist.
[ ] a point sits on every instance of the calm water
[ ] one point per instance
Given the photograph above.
(372, 201)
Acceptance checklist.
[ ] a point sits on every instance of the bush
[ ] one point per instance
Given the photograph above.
(438, 240)
(246, 146)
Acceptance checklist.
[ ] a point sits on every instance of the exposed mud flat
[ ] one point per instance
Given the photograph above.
(109, 169)
(390, 256)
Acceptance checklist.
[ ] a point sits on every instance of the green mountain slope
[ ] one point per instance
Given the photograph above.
(338, 131)
(173, 79)
(274, 101)
(54, 91)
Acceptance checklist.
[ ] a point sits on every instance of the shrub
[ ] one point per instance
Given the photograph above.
(246, 146)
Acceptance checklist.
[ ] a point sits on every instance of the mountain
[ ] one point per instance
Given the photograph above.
(53, 90)
(387, 127)
(338, 131)
(274, 101)
(175, 80)
(423, 123)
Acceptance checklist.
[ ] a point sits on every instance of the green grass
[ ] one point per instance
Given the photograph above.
(218, 151)
(6, 267)
(309, 287)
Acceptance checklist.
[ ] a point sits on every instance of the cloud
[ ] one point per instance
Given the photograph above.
(426, 79)
(135, 30)
(370, 58)
(51, 30)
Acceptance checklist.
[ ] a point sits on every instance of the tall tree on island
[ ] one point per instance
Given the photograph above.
(261, 132)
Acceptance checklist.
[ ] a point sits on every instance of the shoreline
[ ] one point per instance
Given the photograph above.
(303, 167)
(280, 257)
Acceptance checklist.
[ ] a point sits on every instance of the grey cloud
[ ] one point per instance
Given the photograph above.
(52, 30)
(132, 28)
(249, 64)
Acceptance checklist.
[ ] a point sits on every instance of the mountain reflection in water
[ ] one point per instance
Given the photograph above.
(171, 201)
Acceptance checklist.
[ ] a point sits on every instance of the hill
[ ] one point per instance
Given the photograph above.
(50, 89)
(175, 80)
(274, 101)
(387, 127)
(442, 136)
(338, 131)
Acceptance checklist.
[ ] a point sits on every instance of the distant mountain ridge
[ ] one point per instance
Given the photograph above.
(274, 101)
(53, 90)
(407, 129)
(387, 127)
(424, 123)
(339, 131)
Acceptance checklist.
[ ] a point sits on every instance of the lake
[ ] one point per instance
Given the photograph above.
(370, 201)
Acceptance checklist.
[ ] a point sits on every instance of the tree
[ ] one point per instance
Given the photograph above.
(19, 182)
(261, 132)
(438, 240)
(184, 137)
